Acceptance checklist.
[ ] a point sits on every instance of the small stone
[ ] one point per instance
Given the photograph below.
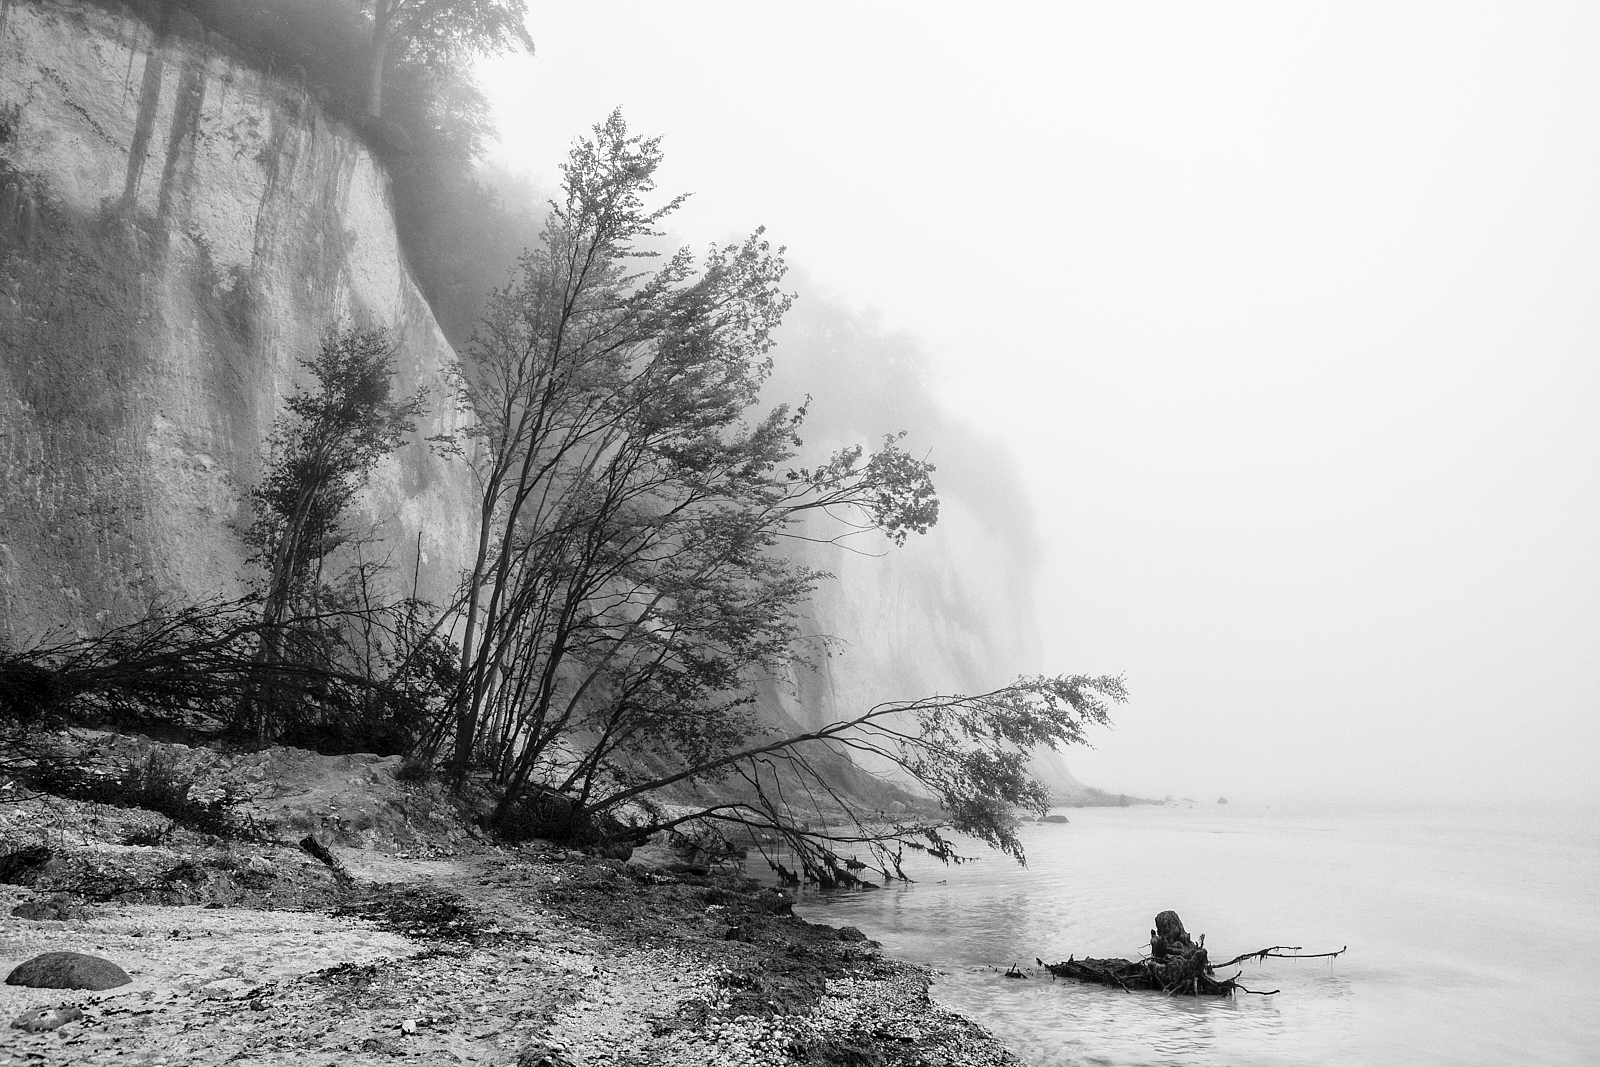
(41, 1019)
(851, 933)
(408, 1027)
(68, 970)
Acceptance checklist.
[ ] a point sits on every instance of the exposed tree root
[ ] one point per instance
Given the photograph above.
(1176, 964)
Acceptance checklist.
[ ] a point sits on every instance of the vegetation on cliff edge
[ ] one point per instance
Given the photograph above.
(628, 591)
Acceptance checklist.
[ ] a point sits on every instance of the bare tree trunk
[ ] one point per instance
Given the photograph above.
(261, 698)
(376, 60)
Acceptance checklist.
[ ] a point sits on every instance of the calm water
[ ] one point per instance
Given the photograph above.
(1474, 939)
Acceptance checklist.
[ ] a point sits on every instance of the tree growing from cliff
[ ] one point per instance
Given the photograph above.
(440, 33)
(320, 455)
(626, 590)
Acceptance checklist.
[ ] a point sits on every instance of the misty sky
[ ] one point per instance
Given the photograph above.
(1290, 315)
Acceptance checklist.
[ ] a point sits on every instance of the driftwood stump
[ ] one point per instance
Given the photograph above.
(1176, 965)
(1169, 938)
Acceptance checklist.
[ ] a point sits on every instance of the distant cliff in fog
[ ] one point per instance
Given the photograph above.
(178, 228)
(952, 611)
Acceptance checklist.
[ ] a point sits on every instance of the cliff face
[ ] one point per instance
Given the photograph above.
(177, 229)
(953, 610)
(946, 613)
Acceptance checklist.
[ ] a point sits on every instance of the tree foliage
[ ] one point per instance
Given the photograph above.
(441, 33)
(627, 590)
(320, 455)
(629, 587)
(969, 754)
(460, 235)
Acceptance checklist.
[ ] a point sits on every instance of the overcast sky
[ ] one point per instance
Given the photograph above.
(1290, 314)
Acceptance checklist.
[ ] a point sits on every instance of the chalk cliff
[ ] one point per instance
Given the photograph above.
(953, 610)
(177, 229)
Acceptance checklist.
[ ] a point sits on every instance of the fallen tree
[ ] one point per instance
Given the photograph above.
(1176, 964)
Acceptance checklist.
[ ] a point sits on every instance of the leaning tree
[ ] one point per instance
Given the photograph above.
(629, 589)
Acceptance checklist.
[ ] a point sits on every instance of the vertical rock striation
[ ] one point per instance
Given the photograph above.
(177, 230)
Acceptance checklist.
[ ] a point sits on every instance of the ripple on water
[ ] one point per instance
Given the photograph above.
(1464, 937)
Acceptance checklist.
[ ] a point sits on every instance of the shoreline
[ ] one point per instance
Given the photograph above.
(521, 958)
(451, 950)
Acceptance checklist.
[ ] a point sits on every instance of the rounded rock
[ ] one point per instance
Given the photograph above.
(68, 970)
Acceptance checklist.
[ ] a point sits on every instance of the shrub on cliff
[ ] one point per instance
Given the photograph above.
(320, 455)
(336, 665)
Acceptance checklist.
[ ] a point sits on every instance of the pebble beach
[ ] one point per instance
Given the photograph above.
(454, 949)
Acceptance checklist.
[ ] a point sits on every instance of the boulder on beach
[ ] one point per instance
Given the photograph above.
(68, 970)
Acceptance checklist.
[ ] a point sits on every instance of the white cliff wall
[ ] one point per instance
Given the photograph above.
(940, 615)
(177, 230)
(953, 610)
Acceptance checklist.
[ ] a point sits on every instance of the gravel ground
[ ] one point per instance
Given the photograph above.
(445, 951)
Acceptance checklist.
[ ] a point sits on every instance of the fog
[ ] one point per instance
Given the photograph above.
(1287, 317)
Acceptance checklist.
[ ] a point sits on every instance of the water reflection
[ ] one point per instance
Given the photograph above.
(1053, 1022)
(1442, 970)
(975, 933)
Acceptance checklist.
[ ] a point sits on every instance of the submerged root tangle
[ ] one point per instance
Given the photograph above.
(1177, 964)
